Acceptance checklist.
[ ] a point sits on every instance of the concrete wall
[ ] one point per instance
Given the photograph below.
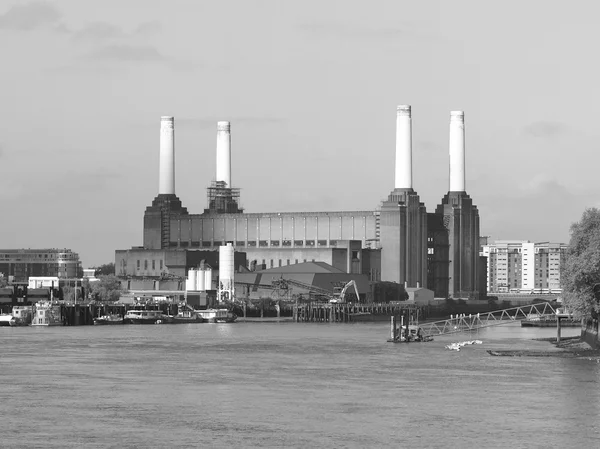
(154, 263)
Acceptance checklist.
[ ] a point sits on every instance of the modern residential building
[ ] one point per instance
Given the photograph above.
(19, 264)
(520, 266)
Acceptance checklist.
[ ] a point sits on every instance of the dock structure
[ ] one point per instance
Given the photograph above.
(325, 312)
(465, 323)
(84, 314)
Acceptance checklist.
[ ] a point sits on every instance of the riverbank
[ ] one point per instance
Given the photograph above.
(569, 347)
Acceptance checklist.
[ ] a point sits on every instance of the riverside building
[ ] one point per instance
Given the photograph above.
(20, 264)
(520, 266)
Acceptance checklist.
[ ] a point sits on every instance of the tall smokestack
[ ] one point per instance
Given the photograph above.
(457, 151)
(224, 153)
(166, 172)
(403, 148)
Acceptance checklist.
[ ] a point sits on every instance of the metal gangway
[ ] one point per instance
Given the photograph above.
(466, 323)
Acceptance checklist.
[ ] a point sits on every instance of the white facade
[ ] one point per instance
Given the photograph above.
(43, 282)
(528, 266)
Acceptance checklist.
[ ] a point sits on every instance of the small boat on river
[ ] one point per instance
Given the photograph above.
(47, 313)
(217, 315)
(108, 320)
(23, 315)
(8, 320)
(146, 317)
(186, 316)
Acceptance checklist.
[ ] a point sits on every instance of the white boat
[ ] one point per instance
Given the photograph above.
(23, 315)
(217, 315)
(47, 313)
(108, 320)
(186, 316)
(7, 320)
(146, 317)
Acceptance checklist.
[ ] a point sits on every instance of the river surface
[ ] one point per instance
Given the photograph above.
(283, 384)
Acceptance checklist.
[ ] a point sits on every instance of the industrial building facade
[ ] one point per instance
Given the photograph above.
(398, 242)
(520, 266)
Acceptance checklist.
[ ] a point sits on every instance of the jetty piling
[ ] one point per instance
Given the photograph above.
(324, 312)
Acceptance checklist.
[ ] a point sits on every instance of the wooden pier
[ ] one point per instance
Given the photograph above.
(323, 312)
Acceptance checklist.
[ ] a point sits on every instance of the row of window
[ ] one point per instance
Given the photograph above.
(280, 262)
(253, 243)
(160, 263)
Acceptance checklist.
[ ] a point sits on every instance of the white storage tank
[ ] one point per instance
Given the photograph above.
(201, 281)
(208, 279)
(226, 271)
(190, 283)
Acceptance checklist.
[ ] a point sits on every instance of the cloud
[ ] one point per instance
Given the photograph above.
(356, 31)
(98, 31)
(545, 129)
(541, 209)
(104, 30)
(30, 16)
(126, 53)
(146, 28)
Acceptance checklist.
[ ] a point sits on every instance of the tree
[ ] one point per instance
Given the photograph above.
(69, 292)
(106, 288)
(105, 270)
(581, 272)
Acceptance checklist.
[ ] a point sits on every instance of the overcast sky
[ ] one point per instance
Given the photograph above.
(311, 89)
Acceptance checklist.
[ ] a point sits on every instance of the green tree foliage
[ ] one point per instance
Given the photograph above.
(69, 292)
(105, 270)
(107, 288)
(581, 271)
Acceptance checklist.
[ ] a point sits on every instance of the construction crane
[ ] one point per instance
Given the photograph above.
(341, 296)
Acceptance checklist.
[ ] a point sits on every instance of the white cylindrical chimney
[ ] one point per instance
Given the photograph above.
(457, 151)
(224, 153)
(166, 174)
(403, 148)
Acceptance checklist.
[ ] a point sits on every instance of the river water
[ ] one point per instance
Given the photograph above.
(284, 384)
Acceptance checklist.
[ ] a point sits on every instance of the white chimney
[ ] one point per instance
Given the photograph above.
(166, 171)
(224, 153)
(403, 148)
(457, 151)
